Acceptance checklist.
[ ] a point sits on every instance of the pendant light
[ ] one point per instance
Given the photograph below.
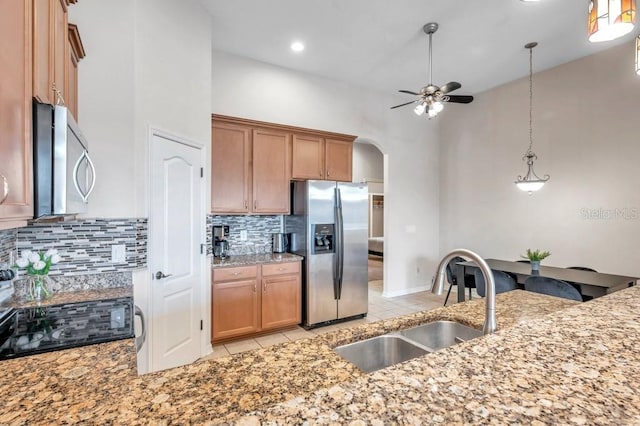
(610, 19)
(530, 182)
(638, 55)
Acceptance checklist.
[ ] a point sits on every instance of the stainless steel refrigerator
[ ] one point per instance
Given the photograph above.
(328, 226)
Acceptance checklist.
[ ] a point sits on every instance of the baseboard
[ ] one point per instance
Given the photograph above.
(406, 291)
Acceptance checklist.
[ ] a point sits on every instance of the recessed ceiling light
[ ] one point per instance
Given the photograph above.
(297, 46)
(527, 1)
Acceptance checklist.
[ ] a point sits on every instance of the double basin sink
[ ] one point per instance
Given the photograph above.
(393, 348)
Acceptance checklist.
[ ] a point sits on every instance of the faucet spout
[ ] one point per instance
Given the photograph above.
(490, 325)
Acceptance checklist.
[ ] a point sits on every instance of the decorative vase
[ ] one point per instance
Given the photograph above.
(535, 265)
(38, 287)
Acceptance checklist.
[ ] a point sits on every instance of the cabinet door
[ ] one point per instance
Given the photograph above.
(270, 171)
(230, 177)
(16, 84)
(60, 46)
(234, 309)
(43, 54)
(71, 85)
(281, 301)
(339, 160)
(307, 159)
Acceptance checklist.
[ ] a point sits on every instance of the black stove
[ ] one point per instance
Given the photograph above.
(28, 331)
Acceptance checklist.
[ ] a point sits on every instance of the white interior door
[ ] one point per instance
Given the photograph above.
(175, 234)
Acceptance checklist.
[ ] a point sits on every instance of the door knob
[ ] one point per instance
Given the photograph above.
(160, 275)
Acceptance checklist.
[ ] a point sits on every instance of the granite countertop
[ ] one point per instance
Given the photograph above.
(576, 366)
(72, 297)
(98, 384)
(254, 259)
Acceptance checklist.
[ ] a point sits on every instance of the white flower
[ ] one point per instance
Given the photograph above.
(26, 253)
(34, 257)
(55, 259)
(51, 252)
(22, 262)
(39, 265)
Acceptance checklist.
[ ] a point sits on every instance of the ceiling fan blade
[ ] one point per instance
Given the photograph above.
(462, 99)
(450, 87)
(407, 103)
(409, 92)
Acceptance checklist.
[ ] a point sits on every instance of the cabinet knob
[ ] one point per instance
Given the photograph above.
(255, 204)
(5, 189)
(320, 173)
(246, 206)
(328, 174)
(236, 273)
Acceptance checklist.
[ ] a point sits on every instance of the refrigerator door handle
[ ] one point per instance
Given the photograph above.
(339, 243)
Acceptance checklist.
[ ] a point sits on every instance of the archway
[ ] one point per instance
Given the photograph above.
(369, 166)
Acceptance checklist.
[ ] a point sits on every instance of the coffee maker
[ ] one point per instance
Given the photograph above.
(220, 243)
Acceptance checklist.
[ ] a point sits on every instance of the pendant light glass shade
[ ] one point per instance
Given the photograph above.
(638, 55)
(610, 19)
(531, 182)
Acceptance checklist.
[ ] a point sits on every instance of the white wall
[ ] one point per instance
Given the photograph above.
(147, 64)
(106, 101)
(586, 137)
(172, 77)
(255, 90)
(368, 164)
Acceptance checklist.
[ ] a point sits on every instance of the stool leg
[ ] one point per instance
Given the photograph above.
(448, 293)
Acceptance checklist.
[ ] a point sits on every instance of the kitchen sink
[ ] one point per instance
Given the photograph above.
(393, 348)
(380, 352)
(440, 334)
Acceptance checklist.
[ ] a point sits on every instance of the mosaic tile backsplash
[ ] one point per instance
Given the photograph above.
(85, 245)
(259, 230)
(7, 244)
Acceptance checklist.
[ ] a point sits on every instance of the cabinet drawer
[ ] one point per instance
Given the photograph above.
(237, 273)
(280, 268)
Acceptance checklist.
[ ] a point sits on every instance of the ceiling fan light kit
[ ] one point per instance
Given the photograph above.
(610, 19)
(431, 98)
(531, 182)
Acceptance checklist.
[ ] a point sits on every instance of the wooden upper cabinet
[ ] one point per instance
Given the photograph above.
(16, 84)
(51, 54)
(253, 162)
(230, 168)
(43, 50)
(307, 157)
(75, 54)
(60, 47)
(270, 171)
(339, 160)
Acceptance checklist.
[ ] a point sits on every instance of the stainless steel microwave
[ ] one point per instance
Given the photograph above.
(64, 175)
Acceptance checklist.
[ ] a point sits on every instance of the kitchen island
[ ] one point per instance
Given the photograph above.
(550, 362)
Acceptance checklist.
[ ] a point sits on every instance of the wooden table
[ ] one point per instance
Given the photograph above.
(594, 284)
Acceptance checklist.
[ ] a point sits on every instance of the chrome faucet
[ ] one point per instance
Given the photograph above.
(490, 325)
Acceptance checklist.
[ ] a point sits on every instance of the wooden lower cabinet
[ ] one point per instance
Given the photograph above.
(281, 295)
(251, 299)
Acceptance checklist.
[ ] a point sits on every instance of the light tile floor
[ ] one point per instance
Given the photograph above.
(379, 308)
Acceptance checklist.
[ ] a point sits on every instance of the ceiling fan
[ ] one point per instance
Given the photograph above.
(431, 97)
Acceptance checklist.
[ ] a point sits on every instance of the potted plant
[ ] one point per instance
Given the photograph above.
(535, 256)
(37, 265)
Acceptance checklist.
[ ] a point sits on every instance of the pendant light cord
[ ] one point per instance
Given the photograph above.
(530, 99)
(430, 60)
